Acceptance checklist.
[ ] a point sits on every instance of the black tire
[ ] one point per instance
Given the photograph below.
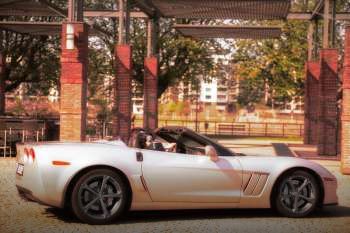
(297, 194)
(95, 205)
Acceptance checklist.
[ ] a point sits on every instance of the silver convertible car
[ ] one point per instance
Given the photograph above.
(170, 168)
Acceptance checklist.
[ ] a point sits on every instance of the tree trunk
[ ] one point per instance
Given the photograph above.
(2, 85)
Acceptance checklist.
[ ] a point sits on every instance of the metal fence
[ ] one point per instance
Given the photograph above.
(13, 131)
(237, 128)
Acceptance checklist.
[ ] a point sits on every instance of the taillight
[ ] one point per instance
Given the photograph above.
(29, 155)
(26, 155)
(32, 153)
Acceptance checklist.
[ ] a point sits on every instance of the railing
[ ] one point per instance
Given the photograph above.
(238, 128)
(15, 130)
(9, 138)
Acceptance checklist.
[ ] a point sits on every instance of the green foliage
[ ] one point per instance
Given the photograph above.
(180, 59)
(19, 109)
(277, 63)
(30, 59)
(103, 113)
(100, 72)
(251, 91)
(171, 107)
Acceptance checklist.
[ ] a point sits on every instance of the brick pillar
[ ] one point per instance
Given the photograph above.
(74, 84)
(2, 85)
(150, 93)
(311, 102)
(345, 117)
(327, 126)
(122, 93)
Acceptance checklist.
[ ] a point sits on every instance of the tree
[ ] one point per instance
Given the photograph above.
(28, 59)
(170, 108)
(251, 91)
(179, 58)
(277, 64)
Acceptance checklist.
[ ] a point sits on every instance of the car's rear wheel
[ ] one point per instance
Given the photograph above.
(99, 197)
(297, 194)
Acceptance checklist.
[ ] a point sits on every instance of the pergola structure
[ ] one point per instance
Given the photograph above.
(222, 9)
(229, 32)
(322, 125)
(41, 28)
(321, 115)
(29, 8)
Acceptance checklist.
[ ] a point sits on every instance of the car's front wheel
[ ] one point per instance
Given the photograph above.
(99, 197)
(297, 194)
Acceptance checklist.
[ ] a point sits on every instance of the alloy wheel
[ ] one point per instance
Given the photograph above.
(100, 196)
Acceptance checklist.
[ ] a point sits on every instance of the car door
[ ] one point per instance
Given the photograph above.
(175, 177)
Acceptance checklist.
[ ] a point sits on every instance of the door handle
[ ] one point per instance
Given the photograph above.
(139, 156)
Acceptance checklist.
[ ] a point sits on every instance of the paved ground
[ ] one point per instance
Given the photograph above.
(17, 215)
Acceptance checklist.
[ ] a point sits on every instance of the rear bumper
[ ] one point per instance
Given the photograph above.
(31, 187)
(27, 195)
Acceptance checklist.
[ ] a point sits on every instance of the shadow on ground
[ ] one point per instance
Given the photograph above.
(178, 215)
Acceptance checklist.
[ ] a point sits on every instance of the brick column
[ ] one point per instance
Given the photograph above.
(327, 126)
(74, 84)
(311, 102)
(122, 93)
(345, 117)
(2, 85)
(150, 93)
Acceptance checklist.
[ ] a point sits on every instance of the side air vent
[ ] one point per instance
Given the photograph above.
(254, 183)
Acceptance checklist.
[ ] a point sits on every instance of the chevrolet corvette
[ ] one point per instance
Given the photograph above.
(170, 168)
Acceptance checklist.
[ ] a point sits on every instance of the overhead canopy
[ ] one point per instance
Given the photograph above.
(37, 28)
(219, 9)
(29, 8)
(229, 31)
(34, 28)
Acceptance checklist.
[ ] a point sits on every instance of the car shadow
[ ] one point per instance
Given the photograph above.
(179, 215)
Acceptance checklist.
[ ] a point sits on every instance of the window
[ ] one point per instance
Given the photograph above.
(208, 97)
(222, 96)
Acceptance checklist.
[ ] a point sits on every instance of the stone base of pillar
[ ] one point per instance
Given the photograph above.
(74, 84)
(328, 89)
(311, 102)
(345, 143)
(123, 92)
(150, 115)
(345, 118)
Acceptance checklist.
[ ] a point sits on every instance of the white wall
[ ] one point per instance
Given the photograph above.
(209, 89)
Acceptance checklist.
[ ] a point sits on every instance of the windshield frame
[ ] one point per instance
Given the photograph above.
(182, 131)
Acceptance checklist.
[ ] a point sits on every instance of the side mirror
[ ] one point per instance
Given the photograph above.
(211, 153)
